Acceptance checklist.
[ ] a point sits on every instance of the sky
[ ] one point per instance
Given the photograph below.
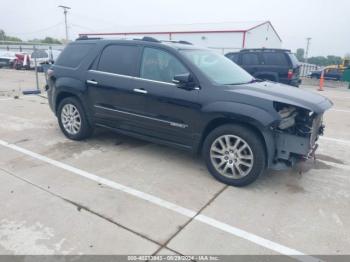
(326, 22)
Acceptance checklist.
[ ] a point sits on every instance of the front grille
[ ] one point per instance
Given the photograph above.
(315, 130)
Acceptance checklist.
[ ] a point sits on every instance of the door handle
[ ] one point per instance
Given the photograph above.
(92, 82)
(142, 91)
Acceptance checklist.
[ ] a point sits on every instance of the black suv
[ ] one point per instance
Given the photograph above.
(277, 65)
(188, 97)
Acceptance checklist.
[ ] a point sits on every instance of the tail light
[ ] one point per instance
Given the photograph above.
(290, 74)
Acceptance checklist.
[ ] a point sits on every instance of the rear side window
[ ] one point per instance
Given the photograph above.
(294, 59)
(250, 59)
(73, 54)
(233, 57)
(275, 59)
(119, 59)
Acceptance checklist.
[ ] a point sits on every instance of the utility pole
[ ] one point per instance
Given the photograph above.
(307, 49)
(65, 11)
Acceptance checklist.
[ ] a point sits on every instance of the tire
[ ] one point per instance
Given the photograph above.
(236, 160)
(72, 119)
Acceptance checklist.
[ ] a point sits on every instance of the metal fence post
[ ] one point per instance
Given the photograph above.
(36, 70)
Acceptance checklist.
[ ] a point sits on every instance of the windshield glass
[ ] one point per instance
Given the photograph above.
(217, 67)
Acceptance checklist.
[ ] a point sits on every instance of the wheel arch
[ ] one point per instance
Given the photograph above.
(266, 137)
(62, 95)
(67, 93)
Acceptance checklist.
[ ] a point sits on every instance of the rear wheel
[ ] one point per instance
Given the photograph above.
(73, 120)
(234, 155)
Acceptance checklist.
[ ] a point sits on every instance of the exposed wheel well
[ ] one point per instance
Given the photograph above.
(222, 121)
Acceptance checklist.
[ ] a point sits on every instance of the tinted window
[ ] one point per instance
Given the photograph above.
(250, 59)
(274, 59)
(73, 54)
(233, 57)
(119, 59)
(294, 60)
(160, 66)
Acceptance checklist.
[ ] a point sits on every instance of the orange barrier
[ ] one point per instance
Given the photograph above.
(321, 81)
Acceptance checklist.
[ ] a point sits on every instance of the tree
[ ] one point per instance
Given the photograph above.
(318, 60)
(50, 40)
(46, 40)
(334, 60)
(4, 37)
(300, 54)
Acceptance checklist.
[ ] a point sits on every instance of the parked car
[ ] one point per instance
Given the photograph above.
(7, 59)
(22, 61)
(187, 97)
(26, 61)
(277, 65)
(329, 73)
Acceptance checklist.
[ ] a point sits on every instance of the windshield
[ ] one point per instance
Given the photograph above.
(217, 67)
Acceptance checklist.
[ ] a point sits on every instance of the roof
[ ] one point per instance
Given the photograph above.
(224, 27)
(146, 40)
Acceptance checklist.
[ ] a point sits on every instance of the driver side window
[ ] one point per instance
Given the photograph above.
(159, 65)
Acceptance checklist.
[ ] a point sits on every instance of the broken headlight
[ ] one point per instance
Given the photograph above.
(294, 120)
(288, 115)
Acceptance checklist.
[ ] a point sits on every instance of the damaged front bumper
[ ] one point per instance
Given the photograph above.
(292, 148)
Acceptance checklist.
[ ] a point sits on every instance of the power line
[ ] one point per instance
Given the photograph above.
(37, 31)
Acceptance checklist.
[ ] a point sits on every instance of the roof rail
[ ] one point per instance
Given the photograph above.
(184, 42)
(264, 50)
(85, 37)
(177, 42)
(150, 39)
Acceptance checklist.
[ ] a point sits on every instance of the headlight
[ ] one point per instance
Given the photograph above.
(287, 113)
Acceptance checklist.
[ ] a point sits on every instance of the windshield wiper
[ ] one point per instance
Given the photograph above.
(254, 80)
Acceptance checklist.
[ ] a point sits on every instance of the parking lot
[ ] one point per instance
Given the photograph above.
(113, 194)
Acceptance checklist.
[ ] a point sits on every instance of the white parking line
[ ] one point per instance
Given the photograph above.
(6, 99)
(340, 110)
(341, 141)
(169, 205)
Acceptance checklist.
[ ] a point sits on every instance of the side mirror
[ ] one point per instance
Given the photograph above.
(184, 81)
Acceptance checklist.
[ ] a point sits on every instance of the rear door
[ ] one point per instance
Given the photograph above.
(111, 87)
(277, 63)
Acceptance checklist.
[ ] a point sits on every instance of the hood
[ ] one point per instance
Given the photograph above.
(285, 94)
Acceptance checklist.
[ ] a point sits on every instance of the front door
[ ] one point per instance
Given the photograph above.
(170, 110)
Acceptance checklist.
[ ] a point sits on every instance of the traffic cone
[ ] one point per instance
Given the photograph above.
(321, 81)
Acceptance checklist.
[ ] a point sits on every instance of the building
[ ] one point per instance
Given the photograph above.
(224, 37)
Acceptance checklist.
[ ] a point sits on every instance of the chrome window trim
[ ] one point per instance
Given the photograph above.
(175, 124)
(131, 77)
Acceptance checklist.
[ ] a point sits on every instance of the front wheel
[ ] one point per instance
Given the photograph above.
(73, 120)
(234, 155)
